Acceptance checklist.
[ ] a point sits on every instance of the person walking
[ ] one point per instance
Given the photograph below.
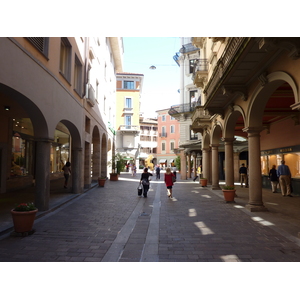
(243, 175)
(67, 172)
(133, 170)
(284, 174)
(157, 170)
(169, 181)
(145, 181)
(198, 173)
(274, 179)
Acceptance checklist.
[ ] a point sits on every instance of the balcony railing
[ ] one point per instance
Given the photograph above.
(184, 108)
(129, 127)
(163, 134)
(234, 45)
(91, 95)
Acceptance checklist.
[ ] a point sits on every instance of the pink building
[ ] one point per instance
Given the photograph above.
(168, 138)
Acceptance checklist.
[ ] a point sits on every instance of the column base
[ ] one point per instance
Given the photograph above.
(254, 208)
(215, 187)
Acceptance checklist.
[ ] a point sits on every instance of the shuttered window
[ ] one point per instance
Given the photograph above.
(40, 43)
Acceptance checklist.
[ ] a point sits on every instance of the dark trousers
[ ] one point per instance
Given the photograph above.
(145, 189)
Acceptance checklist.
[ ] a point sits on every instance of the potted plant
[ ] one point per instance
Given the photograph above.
(203, 182)
(118, 163)
(23, 216)
(229, 193)
(101, 181)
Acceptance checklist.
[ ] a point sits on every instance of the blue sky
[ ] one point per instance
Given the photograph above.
(160, 87)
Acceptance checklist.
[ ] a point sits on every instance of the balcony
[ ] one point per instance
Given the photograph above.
(91, 99)
(200, 119)
(129, 129)
(200, 72)
(163, 134)
(184, 108)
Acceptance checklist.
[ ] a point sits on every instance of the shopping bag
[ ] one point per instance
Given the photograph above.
(140, 189)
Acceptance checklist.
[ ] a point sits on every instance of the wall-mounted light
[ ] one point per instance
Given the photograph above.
(6, 107)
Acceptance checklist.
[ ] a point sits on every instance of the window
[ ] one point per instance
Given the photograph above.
(129, 85)
(128, 103)
(128, 122)
(65, 58)
(192, 64)
(163, 147)
(172, 129)
(40, 43)
(172, 146)
(163, 118)
(78, 76)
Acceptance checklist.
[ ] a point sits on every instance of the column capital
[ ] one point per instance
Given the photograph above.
(228, 140)
(214, 145)
(253, 130)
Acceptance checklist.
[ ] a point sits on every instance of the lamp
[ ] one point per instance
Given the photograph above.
(152, 68)
(6, 108)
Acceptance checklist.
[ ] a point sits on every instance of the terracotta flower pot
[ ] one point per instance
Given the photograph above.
(229, 195)
(101, 181)
(23, 220)
(203, 182)
(113, 176)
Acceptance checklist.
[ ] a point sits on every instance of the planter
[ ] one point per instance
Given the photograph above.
(23, 220)
(203, 182)
(229, 195)
(101, 181)
(114, 176)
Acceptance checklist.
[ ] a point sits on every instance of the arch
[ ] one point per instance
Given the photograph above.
(206, 140)
(231, 120)
(216, 133)
(262, 94)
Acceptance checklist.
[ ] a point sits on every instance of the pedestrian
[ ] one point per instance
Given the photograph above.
(157, 170)
(198, 173)
(284, 174)
(243, 175)
(145, 181)
(274, 179)
(169, 181)
(67, 172)
(133, 170)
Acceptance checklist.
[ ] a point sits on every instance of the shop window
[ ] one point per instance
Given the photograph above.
(292, 160)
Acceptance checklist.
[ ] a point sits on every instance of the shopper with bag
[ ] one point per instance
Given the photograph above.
(145, 181)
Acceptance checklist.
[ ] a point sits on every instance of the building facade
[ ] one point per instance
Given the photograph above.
(249, 104)
(148, 142)
(168, 138)
(58, 104)
(129, 91)
(190, 97)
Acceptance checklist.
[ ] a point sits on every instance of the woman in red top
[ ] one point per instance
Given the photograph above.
(169, 181)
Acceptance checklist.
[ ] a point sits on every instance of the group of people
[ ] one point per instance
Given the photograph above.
(279, 178)
(170, 178)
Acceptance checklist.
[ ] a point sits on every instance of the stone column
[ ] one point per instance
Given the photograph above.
(229, 167)
(236, 164)
(189, 174)
(255, 181)
(215, 167)
(182, 165)
(205, 163)
(42, 175)
(76, 167)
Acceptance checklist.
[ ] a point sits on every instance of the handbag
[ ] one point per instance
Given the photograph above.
(173, 179)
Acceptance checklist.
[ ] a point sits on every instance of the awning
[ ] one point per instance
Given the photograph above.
(162, 161)
(171, 160)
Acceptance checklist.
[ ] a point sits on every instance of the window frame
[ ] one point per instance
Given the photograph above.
(65, 58)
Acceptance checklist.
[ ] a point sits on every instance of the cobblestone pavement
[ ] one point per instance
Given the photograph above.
(113, 224)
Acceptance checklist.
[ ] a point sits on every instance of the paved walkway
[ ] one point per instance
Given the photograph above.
(113, 224)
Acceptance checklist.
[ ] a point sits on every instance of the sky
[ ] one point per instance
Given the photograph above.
(160, 86)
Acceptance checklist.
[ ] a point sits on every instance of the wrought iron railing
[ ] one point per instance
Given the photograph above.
(184, 108)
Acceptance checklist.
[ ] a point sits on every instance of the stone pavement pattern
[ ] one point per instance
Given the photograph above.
(114, 224)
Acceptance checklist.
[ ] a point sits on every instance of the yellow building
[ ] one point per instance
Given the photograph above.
(129, 90)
